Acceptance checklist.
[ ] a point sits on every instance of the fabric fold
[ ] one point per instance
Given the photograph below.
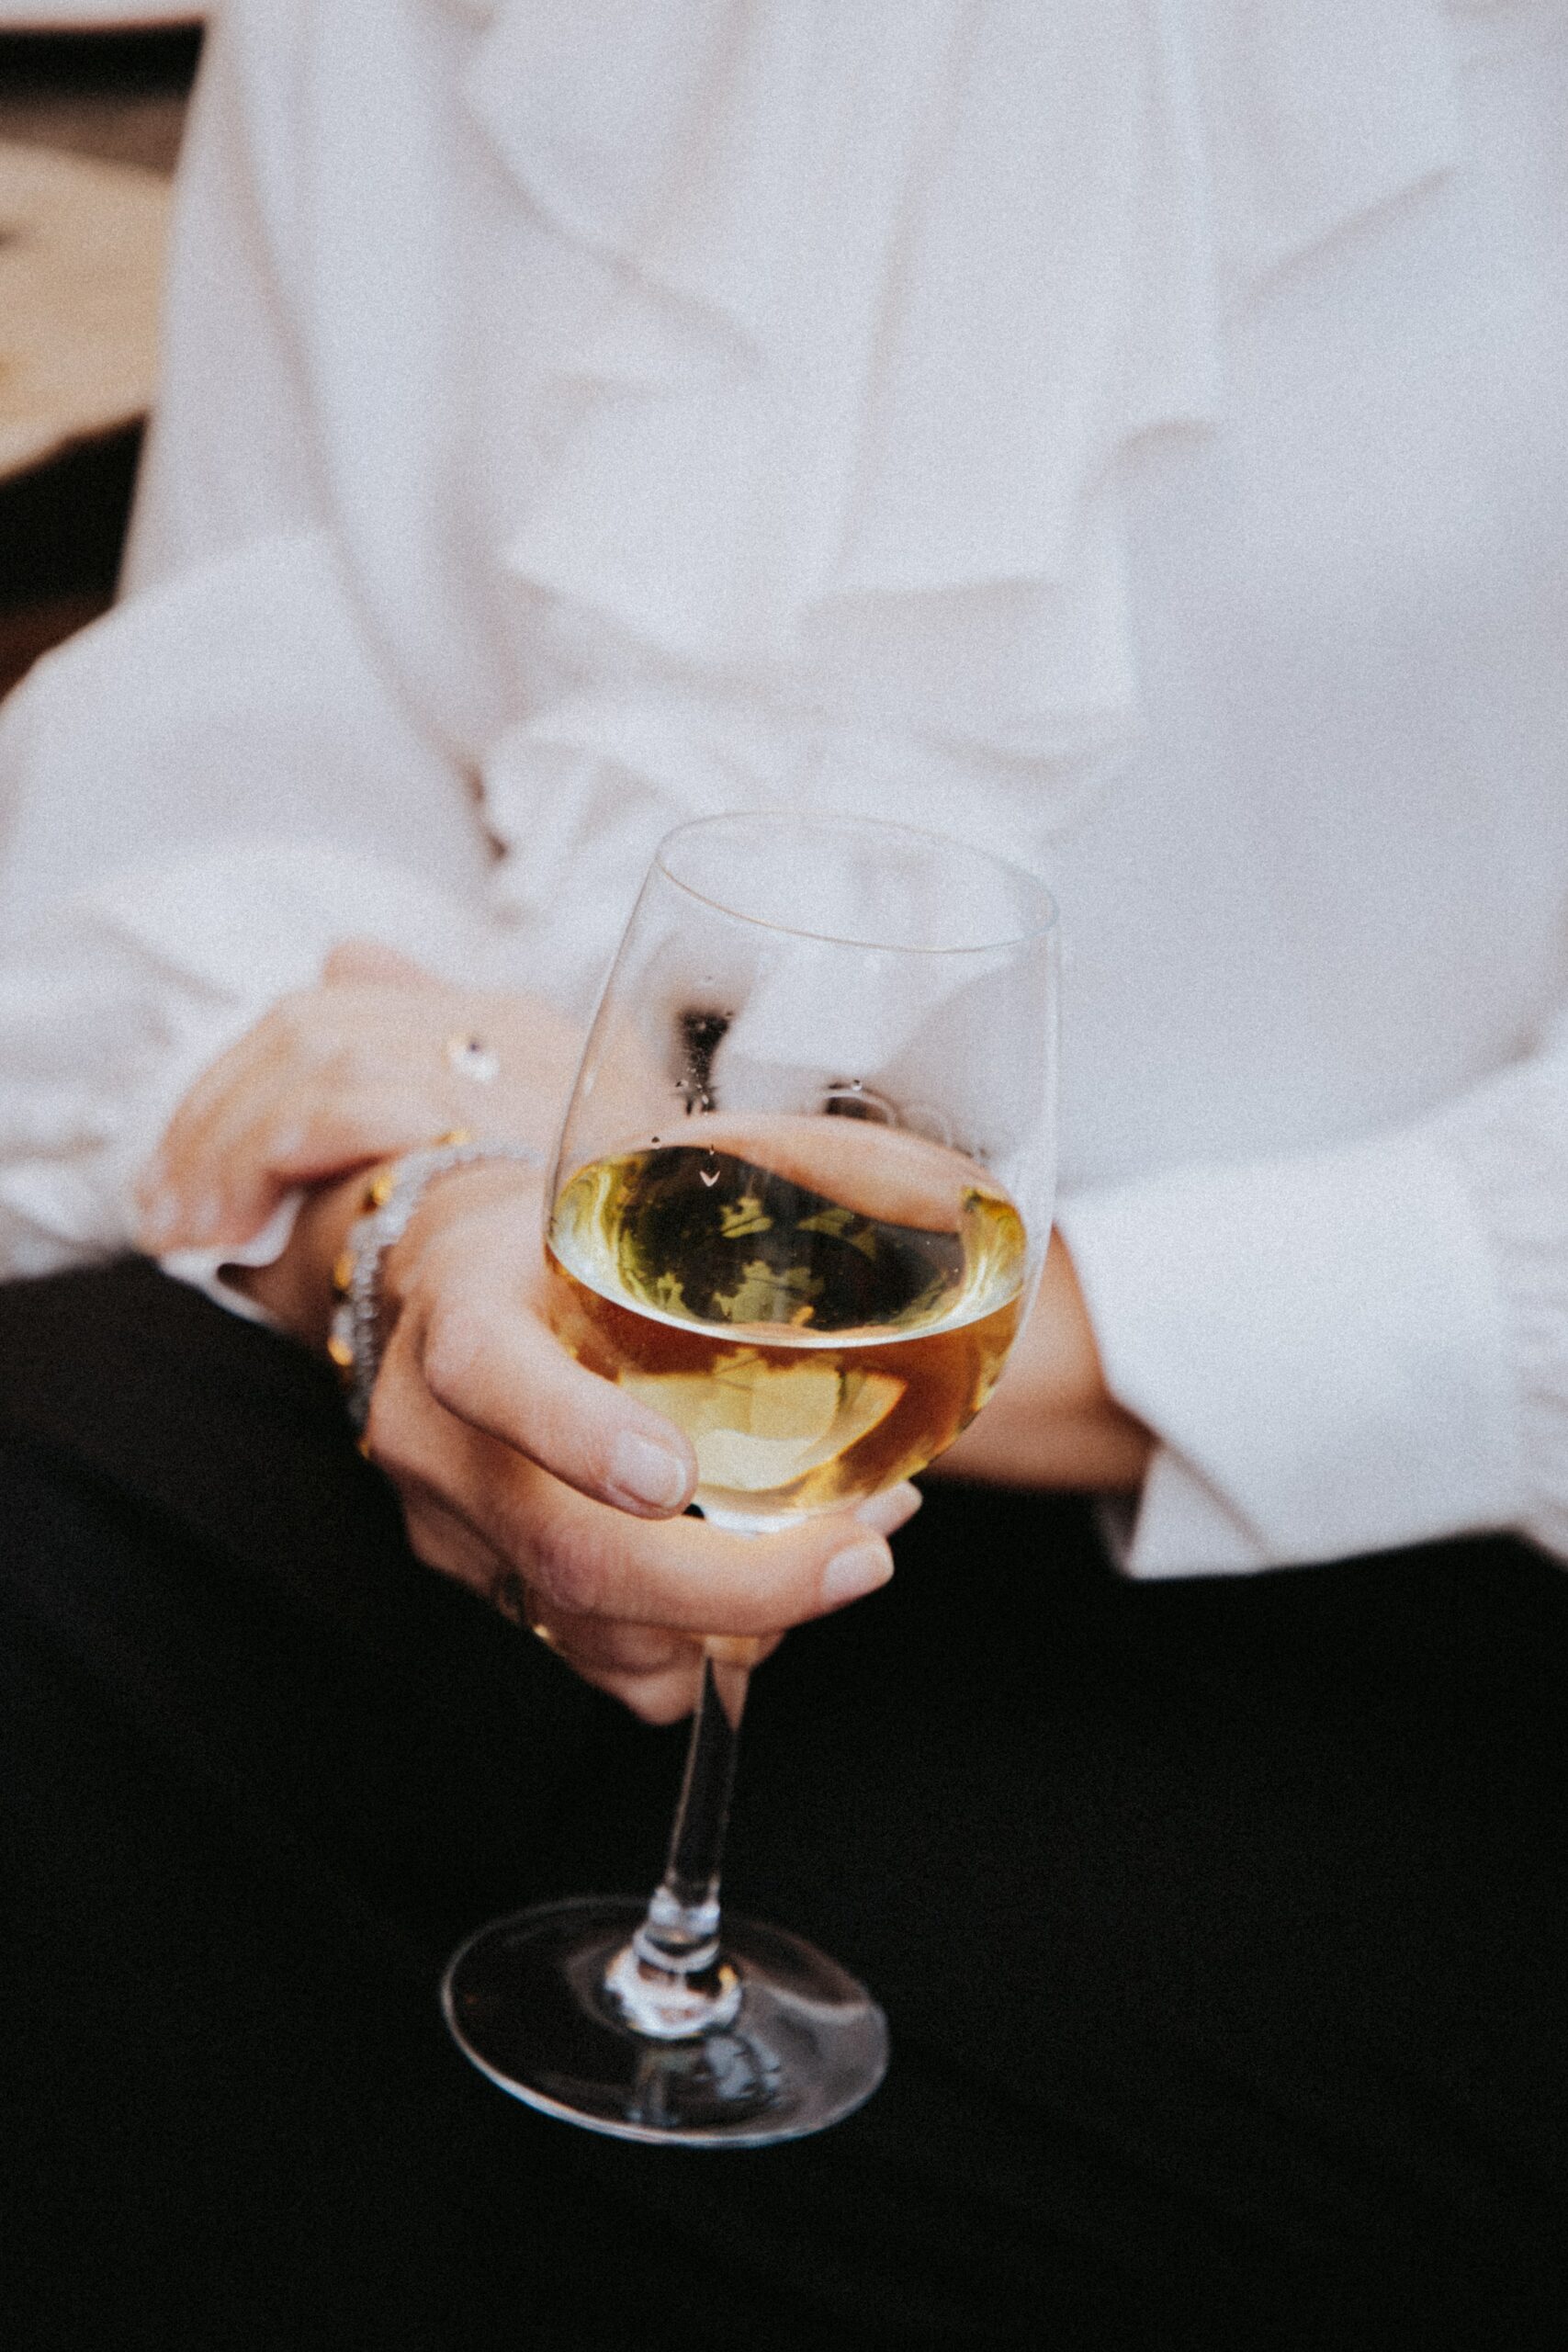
(871, 303)
(1321, 1344)
(1509, 1143)
(213, 874)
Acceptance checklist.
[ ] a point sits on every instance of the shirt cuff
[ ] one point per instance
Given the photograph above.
(203, 1269)
(1320, 1345)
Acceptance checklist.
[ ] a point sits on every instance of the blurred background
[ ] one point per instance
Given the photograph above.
(92, 104)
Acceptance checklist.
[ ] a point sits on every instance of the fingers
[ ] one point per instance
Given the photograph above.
(260, 1148)
(654, 1673)
(604, 1645)
(478, 1401)
(585, 1560)
(624, 1597)
(324, 1084)
(701, 1580)
(649, 1669)
(892, 1509)
(372, 959)
(334, 1077)
(493, 1362)
(656, 1698)
(589, 1560)
(178, 1196)
(445, 1540)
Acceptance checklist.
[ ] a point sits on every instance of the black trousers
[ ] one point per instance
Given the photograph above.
(1222, 1927)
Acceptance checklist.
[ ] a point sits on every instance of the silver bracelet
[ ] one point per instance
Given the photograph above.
(390, 1200)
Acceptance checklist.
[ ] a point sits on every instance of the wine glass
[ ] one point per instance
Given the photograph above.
(800, 1205)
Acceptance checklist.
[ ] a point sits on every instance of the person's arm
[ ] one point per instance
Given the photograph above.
(368, 1062)
(1052, 1421)
(203, 793)
(519, 1474)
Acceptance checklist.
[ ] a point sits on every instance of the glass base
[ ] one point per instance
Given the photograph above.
(526, 2001)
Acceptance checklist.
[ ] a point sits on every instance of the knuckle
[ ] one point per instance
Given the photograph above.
(342, 1124)
(507, 1591)
(172, 1142)
(343, 1067)
(429, 1533)
(455, 1333)
(655, 1651)
(764, 1608)
(248, 1204)
(658, 1708)
(741, 1613)
(345, 960)
(523, 1559)
(364, 1066)
(575, 1567)
(464, 1263)
(390, 1439)
(663, 1697)
(295, 1018)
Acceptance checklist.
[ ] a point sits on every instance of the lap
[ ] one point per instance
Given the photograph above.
(1219, 1925)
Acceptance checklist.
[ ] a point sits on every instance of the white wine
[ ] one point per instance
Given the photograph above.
(820, 1305)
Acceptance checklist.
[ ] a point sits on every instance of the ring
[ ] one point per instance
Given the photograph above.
(511, 1596)
(471, 1057)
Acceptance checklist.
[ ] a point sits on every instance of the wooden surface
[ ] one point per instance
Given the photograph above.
(113, 100)
(89, 16)
(118, 96)
(81, 266)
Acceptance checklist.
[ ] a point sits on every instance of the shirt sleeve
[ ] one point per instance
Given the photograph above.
(1509, 1144)
(1346, 1350)
(199, 797)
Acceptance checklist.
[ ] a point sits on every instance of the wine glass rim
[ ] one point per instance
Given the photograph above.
(834, 820)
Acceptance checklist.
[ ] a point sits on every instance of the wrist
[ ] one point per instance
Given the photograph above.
(296, 1289)
(477, 1185)
(1052, 1421)
(367, 1291)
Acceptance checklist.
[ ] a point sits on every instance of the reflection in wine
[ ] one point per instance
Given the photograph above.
(820, 1313)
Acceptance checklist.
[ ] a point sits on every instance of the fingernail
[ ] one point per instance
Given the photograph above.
(850, 1573)
(892, 1510)
(160, 1220)
(647, 1473)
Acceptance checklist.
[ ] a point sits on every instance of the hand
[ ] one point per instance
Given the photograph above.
(338, 1076)
(1053, 1422)
(546, 1489)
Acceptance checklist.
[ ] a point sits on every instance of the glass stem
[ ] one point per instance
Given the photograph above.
(681, 1928)
(671, 1980)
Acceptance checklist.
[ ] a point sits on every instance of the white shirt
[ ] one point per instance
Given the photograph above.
(1129, 435)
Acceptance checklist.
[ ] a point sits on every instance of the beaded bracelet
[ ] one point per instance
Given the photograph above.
(387, 1211)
